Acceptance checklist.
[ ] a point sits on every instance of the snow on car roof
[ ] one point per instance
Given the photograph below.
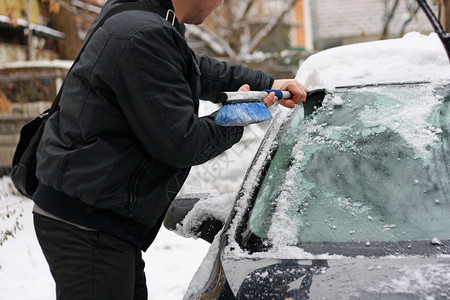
(415, 57)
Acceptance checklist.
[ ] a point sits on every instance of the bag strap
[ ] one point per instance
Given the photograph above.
(167, 14)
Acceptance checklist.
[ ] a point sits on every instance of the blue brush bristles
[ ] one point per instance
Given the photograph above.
(242, 113)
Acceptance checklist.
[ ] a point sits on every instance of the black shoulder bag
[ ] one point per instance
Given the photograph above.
(23, 174)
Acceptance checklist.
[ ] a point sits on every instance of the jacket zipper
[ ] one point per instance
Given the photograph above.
(134, 183)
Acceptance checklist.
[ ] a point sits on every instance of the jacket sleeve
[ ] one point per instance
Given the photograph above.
(157, 102)
(218, 76)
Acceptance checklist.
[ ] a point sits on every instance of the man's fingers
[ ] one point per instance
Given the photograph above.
(297, 90)
(287, 103)
(270, 99)
(244, 88)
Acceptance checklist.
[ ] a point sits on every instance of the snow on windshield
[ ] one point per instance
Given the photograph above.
(419, 134)
(414, 57)
(353, 159)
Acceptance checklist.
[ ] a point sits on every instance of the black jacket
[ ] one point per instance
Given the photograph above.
(127, 131)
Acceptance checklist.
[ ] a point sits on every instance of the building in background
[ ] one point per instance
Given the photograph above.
(328, 23)
(30, 74)
(17, 18)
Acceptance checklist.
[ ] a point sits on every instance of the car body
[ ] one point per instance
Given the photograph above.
(348, 197)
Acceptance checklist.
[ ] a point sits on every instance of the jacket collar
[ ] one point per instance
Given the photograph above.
(163, 3)
(166, 4)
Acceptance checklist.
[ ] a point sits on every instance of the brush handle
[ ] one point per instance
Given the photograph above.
(280, 94)
(253, 95)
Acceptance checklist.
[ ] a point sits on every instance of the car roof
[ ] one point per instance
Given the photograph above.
(415, 57)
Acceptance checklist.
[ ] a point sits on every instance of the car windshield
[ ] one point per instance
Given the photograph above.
(371, 164)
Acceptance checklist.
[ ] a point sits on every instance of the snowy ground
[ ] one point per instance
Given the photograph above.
(170, 264)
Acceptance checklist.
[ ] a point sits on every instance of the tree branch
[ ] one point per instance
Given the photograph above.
(247, 49)
(413, 8)
(215, 42)
(242, 12)
(388, 15)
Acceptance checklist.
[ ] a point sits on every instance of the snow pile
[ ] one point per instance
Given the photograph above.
(415, 57)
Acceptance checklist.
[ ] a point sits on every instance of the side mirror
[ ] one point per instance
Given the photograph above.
(180, 208)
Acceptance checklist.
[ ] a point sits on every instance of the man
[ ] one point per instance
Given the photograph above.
(120, 146)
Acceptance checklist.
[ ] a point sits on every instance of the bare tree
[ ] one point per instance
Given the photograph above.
(389, 12)
(236, 30)
(412, 7)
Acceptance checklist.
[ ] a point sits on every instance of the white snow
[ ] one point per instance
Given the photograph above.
(214, 206)
(24, 274)
(414, 57)
(172, 260)
(416, 279)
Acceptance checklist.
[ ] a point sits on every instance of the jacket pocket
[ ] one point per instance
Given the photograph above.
(133, 185)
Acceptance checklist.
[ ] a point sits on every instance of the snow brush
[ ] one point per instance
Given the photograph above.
(244, 108)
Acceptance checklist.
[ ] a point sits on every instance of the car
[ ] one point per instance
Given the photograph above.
(348, 196)
(350, 201)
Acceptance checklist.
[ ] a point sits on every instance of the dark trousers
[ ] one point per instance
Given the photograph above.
(90, 264)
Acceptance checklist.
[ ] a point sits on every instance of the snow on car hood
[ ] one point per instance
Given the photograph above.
(415, 57)
(353, 278)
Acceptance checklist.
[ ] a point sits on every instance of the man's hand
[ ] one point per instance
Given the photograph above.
(268, 100)
(297, 90)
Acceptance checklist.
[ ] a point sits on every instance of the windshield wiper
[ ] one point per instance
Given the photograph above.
(353, 249)
(445, 37)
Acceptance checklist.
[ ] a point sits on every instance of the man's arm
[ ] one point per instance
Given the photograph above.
(218, 76)
(156, 100)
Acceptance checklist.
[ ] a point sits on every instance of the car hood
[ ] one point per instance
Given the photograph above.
(340, 278)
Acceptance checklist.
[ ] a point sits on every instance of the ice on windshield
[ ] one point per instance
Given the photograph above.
(370, 165)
